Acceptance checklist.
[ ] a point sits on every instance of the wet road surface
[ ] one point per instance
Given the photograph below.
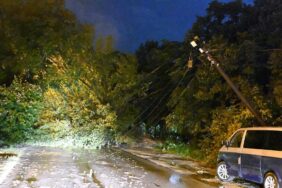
(45, 167)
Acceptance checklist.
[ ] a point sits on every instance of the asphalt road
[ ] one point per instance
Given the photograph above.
(45, 167)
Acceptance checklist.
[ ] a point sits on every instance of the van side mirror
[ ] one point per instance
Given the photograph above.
(226, 143)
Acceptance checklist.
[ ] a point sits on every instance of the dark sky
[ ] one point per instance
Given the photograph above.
(132, 22)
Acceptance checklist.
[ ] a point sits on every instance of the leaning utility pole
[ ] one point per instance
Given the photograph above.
(228, 80)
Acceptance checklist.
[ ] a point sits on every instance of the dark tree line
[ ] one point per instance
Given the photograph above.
(203, 109)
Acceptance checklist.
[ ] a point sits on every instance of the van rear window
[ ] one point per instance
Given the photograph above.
(269, 140)
(274, 141)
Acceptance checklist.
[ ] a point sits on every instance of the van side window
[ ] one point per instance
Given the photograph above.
(235, 141)
(274, 141)
(255, 139)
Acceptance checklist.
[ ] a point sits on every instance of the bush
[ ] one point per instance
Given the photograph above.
(181, 149)
(70, 138)
(21, 104)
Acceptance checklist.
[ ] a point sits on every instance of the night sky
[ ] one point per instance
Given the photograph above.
(132, 22)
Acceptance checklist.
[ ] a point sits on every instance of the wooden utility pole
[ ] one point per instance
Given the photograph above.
(230, 83)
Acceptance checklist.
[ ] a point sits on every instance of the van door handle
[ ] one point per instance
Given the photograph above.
(239, 160)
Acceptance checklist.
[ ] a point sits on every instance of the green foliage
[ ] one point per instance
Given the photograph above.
(159, 64)
(206, 111)
(83, 89)
(77, 94)
(224, 122)
(117, 84)
(276, 85)
(31, 31)
(104, 45)
(181, 149)
(89, 94)
(94, 139)
(21, 105)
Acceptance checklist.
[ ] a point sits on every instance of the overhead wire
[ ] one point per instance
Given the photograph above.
(146, 109)
(155, 119)
(152, 104)
(150, 73)
(165, 95)
(179, 98)
(162, 97)
(257, 50)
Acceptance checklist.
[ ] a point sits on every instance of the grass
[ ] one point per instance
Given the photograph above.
(181, 149)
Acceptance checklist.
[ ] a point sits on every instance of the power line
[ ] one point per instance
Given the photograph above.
(166, 94)
(143, 112)
(157, 91)
(140, 114)
(150, 73)
(175, 104)
(256, 50)
(166, 86)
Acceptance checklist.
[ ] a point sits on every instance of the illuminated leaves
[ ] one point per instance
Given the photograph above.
(21, 105)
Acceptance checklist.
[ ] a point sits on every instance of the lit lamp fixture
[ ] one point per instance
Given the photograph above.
(193, 43)
(201, 50)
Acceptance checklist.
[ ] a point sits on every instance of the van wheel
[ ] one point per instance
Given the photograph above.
(222, 171)
(270, 181)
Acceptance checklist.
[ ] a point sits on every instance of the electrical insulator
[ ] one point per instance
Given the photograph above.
(190, 63)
